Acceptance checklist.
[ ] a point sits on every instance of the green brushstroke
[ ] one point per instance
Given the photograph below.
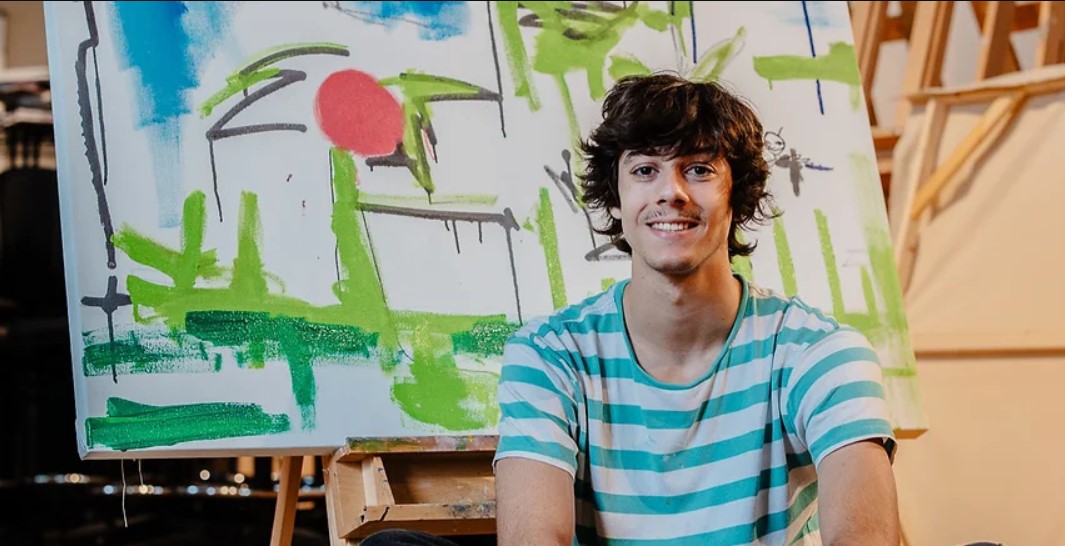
(359, 291)
(626, 65)
(407, 200)
(238, 81)
(183, 267)
(784, 260)
(574, 40)
(130, 353)
(130, 425)
(870, 295)
(418, 90)
(296, 340)
(714, 60)
(838, 65)
(518, 58)
(545, 221)
(260, 326)
(571, 113)
(742, 264)
(878, 240)
(486, 338)
(419, 87)
(606, 283)
(235, 83)
(440, 393)
(829, 255)
(249, 279)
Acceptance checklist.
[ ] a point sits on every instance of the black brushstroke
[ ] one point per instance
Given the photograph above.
(447, 227)
(506, 220)
(455, 232)
(333, 201)
(499, 75)
(100, 110)
(294, 52)
(597, 254)
(85, 113)
(480, 232)
(398, 158)
(109, 303)
(513, 273)
(284, 78)
(564, 182)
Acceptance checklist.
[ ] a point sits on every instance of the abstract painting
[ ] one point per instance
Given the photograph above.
(290, 223)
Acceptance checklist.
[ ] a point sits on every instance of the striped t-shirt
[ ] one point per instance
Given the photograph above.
(728, 459)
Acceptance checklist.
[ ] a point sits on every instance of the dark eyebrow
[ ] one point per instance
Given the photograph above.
(630, 156)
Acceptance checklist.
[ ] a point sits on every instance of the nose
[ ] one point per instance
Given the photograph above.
(673, 189)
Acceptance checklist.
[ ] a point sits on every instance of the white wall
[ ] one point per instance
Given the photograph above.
(25, 41)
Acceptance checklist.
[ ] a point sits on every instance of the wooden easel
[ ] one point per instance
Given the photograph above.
(931, 21)
(437, 484)
(925, 27)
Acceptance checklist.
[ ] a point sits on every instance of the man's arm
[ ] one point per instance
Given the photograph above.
(534, 504)
(857, 497)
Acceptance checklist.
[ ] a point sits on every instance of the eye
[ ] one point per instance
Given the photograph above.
(643, 171)
(701, 171)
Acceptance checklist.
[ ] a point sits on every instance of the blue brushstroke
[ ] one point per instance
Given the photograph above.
(208, 25)
(435, 20)
(691, 12)
(164, 44)
(818, 15)
(813, 51)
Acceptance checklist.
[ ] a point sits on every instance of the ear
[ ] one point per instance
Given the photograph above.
(615, 213)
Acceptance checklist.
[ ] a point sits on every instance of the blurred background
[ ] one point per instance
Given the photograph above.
(975, 195)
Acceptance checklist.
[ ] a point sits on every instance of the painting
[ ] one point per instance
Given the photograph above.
(286, 224)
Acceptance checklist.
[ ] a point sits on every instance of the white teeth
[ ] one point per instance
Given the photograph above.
(666, 226)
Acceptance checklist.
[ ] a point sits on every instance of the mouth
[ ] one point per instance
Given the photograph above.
(673, 225)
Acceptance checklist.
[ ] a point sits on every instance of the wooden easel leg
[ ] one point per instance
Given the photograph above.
(287, 495)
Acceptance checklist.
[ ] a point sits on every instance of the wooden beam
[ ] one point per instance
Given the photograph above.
(996, 51)
(988, 93)
(924, 62)
(1002, 110)
(285, 509)
(928, 142)
(1051, 46)
(898, 27)
(868, 23)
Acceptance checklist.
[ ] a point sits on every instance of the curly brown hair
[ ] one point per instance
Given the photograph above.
(666, 114)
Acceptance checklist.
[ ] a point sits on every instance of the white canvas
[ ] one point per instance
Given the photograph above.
(253, 268)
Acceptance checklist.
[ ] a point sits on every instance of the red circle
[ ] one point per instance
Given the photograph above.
(358, 114)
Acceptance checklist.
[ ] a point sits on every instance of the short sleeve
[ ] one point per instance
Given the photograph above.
(538, 408)
(835, 395)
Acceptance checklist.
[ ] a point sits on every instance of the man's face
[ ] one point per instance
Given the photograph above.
(675, 213)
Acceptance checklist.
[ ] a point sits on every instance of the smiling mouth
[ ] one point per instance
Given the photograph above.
(672, 226)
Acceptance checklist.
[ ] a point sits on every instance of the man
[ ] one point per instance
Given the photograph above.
(685, 405)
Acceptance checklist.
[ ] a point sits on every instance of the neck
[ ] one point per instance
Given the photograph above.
(687, 316)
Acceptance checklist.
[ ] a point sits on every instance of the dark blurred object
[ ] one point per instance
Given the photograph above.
(31, 246)
(27, 114)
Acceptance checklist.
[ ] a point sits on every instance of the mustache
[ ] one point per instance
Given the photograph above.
(690, 214)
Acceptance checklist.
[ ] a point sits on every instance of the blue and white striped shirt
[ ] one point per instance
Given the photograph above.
(728, 459)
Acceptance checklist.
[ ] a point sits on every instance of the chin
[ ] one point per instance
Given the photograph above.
(673, 266)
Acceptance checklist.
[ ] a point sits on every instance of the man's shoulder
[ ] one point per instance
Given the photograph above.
(796, 321)
(597, 313)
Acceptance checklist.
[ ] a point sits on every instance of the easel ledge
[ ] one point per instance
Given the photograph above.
(438, 484)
